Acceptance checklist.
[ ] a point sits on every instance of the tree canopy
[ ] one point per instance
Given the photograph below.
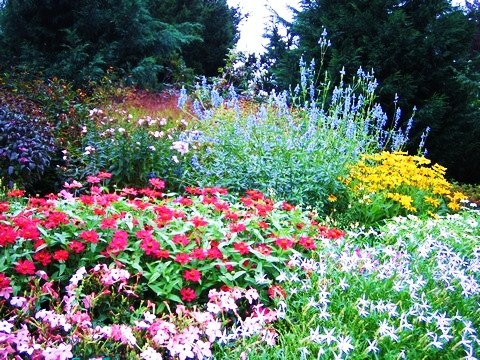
(146, 39)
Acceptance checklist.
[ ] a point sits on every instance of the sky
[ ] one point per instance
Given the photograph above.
(252, 29)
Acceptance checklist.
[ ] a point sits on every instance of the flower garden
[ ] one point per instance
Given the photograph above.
(209, 225)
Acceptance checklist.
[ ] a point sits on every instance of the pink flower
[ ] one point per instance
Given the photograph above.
(93, 179)
(63, 352)
(192, 275)
(157, 183)
(182, 258)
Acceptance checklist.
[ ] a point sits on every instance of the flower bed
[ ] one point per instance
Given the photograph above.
(111, 273)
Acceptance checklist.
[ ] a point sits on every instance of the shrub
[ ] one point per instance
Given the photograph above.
(294, 151)
(386, 185)
(28, 154)
(131, 143)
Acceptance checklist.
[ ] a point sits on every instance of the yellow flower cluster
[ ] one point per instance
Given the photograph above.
(404, 179)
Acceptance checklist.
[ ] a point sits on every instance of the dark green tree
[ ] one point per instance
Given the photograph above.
(80, 40)
(420, 50)
(218, 30)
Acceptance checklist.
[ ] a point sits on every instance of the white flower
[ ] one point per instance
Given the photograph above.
(315, 335)
(344, 344)
(372, 346)
(5, 326)
(328, 337)
(121, 130)
(180, 146)
(18, 301)
(343, 284)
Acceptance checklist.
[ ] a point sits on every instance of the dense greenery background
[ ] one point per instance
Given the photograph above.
(427, 52)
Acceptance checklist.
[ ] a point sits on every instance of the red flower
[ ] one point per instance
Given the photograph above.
(95, 190)
(307, 242)
(161, 254)
(164, 213)
(4, 281)
(255, 194)
(198, 254)
(184, 201)
(192, 275)
(263, 209)
(144, 234)
(55, 218)
(238, 227)
(90, 236)
(16, 193)
(29, 232)
(7, 235)
(231, 216)
(193, 190)
(188, 294)
(43, 257)
(198, 221)
(76, 246)
(128, 191)
(334, 234)
(241, 247)
(4, 206)
(262, 225)
(25, 267)
(87, 199)
(99, 211)
(38, 242)
(276, 291)
(119, 241)
(264, 249)
(108, 223)
(180, 239)
(284, 243)
(60, 255)
(221, 206)
(288, 207)
(214, 253)
(182, 258)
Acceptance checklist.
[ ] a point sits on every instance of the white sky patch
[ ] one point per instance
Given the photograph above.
(252, 29)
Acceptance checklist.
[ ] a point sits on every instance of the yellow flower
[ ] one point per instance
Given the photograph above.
(432, 201)
(454, 206)
(332, 198)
